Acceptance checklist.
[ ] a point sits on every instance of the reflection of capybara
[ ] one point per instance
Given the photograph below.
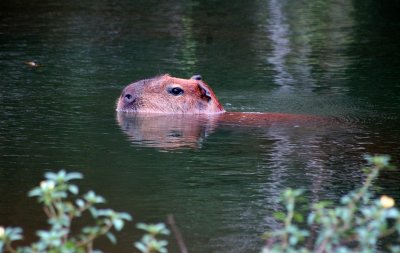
(166, 94)
(166, 132)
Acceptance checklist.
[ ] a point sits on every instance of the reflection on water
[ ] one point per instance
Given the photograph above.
(298, 36)
(167, 131)
(220, 176)
(279, 34)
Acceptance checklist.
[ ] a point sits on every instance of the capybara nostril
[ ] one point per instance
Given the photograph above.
(128, 98)
(196, 77)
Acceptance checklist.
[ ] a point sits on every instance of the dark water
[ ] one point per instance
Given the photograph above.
(337, 59)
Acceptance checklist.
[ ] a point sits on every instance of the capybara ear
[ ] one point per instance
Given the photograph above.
(196, 77)
(204, 91)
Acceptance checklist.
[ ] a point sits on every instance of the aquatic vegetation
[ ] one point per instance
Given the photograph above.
(356, 224)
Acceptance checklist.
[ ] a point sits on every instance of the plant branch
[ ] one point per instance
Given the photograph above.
(177, 233)
(92, 237)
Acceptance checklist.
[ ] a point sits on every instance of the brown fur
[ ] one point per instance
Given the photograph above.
(154, 96)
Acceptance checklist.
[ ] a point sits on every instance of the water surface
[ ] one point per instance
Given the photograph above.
(334, 59)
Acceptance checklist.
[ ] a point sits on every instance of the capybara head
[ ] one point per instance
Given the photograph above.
(166, 94)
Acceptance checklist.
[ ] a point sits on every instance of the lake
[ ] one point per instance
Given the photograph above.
(336, 60)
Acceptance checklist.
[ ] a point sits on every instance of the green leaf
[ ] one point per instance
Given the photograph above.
(37, 191)
(125, 216)
(311, 218)
(50, 175)
(279, 216)
(73, 175)
(13, 234)
(140, 246)
(142, 226)
(99, 200)
(111, 237)
(379, 160)
(73, 189)
(395, 249)
(392, 213)
(93, 212)
(105, 212)
(93, 198)
(293, 240)
(118, 224)
(80, 203)
(298, 217)
(90, 230)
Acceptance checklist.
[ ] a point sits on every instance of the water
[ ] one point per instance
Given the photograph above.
(335, 59)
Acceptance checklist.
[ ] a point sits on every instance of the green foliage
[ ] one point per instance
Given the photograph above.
(356, 225)
(62, 206)
(149, 242)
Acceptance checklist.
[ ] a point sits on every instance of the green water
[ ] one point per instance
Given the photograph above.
(337, 59)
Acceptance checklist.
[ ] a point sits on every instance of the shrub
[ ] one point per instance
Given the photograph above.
(357, 224)
(62, 206)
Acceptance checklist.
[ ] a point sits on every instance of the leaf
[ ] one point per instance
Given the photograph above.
(311, 218)
(16, 237)
(73, 189)
(298, 217)
(140, 246)
(99, 200)
(163, 243)
(125, 216)
(293, 240)
(105, 212)
(118, 224)
(142, 226)
(279, 216)
(50, 175)
(60, 176)
(111, 237)
(395, 248)
(37, 191)
(73, 175)
(93, 212)
(93, 198)
(14, 233)
(80, 203)
(44, 235)
(90, 230)
(392, 213)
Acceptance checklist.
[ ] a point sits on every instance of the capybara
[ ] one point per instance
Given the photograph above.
(169, 95)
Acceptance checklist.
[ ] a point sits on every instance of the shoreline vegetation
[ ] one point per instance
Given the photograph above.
(359, 222)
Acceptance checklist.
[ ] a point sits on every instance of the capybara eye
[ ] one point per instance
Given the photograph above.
(176, 91)
(128, 98)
